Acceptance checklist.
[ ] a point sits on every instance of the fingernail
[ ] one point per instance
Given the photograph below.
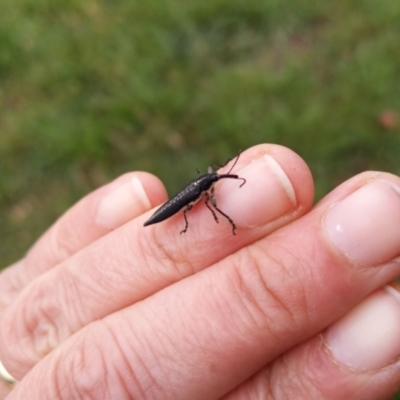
(123, 204)
(365, 226)
(267, 194)
(368, 336)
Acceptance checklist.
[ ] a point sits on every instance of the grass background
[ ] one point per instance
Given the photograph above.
(91, 89)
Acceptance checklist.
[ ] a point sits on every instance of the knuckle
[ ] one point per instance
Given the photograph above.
(174, 262)
(53, 247)
(99, 369)
(268, 290)
(62, 239)
(82, 372)
(29, 328)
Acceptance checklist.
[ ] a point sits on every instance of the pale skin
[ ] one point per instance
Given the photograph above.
(103, 308)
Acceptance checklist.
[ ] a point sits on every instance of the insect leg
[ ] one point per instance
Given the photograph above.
(188, 208)
(214, 203)
(207, 199)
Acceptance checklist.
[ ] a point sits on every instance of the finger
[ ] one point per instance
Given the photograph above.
(91, 218)
(94, 216)
(258, 303)
(135, 262)
(356, 358)
(217, 328)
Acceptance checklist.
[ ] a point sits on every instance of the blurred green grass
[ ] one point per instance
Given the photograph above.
(90, 89)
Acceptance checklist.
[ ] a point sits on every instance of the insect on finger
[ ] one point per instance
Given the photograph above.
(194, 191)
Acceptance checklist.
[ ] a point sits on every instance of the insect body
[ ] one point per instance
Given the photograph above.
(201, 187)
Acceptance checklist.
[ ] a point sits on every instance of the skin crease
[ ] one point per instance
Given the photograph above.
(145, 313)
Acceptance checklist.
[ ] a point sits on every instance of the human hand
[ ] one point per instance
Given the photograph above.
(104, 308)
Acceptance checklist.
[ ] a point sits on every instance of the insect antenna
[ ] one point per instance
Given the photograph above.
(236, 160)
